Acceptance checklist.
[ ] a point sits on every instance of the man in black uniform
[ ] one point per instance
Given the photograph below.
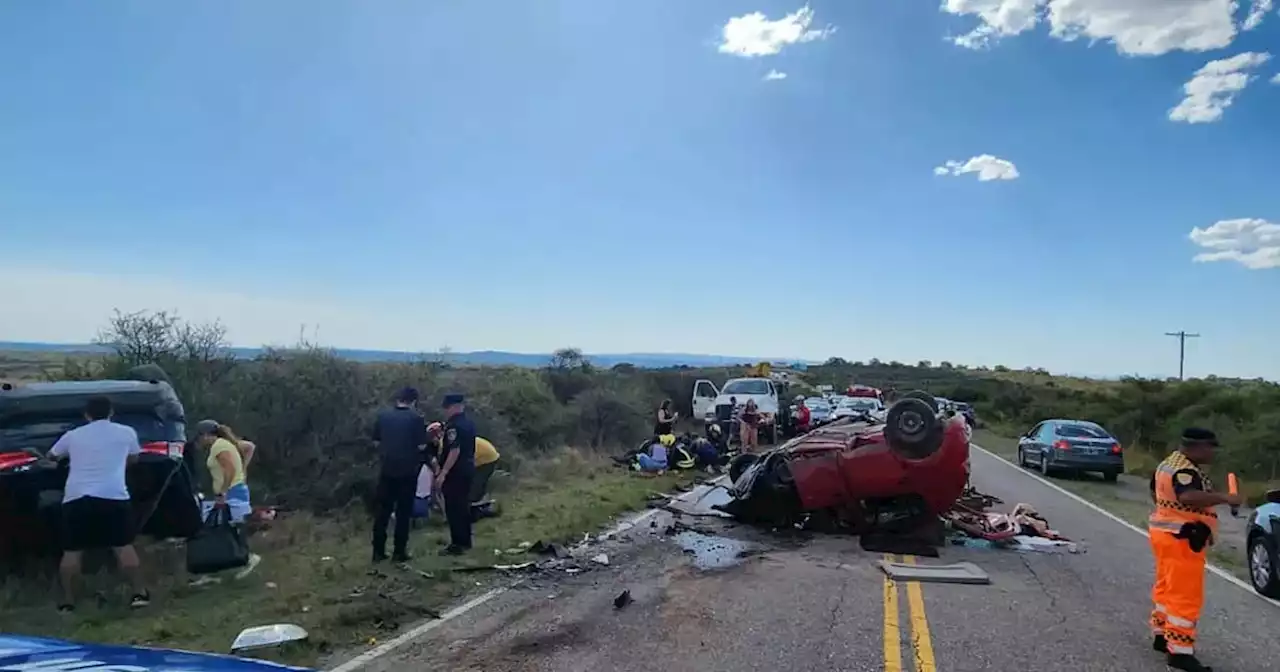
(400, 437)
(456, 472)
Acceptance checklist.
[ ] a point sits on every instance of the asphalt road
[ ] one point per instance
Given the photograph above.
(819, 602)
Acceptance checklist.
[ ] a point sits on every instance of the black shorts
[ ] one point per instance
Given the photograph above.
(92, 522)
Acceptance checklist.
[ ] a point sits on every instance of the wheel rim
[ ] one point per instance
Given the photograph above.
(1260, 564)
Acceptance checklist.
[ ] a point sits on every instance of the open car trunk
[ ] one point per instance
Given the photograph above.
(161, 483)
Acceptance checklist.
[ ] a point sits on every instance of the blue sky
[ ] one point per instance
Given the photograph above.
(623, 176)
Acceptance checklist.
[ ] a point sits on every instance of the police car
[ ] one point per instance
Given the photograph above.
(40, 654)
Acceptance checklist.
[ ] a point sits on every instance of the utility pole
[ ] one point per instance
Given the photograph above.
(1182, 337)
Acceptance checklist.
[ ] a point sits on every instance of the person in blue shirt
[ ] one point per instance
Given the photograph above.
(456, 472)
(400, 436)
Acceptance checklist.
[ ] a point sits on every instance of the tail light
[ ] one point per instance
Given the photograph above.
(10, 460)
(1062, 445)
(167, 448)
(1115, 449)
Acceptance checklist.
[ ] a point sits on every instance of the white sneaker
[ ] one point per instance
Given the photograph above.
(254, 559)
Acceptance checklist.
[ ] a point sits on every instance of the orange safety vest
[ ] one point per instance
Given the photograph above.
(1170, 515)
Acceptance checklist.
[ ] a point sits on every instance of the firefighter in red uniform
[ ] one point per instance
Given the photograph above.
(1182, 528)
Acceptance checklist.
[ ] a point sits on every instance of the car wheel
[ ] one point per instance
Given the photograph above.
(1263, 570)
(1111, 476)
(1044, 464)
(922, 396)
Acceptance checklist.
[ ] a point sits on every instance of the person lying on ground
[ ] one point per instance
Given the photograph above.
(96, 507)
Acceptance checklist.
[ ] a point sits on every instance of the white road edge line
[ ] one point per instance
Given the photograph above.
(424, 628)
(1222, 573)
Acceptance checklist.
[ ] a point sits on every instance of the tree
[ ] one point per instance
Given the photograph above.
(924, 364)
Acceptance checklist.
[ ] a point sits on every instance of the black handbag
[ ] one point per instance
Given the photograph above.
(218, 545)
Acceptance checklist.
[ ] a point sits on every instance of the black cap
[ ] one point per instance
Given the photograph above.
(407, 395)
(451, 399)
(1198, 435)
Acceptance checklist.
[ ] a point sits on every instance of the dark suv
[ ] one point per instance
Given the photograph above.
(32, 417)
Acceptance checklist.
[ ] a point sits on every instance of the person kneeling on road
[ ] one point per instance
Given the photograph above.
(96, 507)
(655, 462)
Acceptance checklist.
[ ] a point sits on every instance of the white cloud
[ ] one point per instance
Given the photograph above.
(753, 34)
(1253, 243)
(1215, 86)
(1257, 12)
(986, 166)
(774, 75)
(1276, 79)
(1135, 27)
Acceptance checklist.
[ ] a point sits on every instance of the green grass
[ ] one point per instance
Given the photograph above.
(316, 573)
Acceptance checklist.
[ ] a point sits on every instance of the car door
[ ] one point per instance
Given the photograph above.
(1030, 442)
(704, 398)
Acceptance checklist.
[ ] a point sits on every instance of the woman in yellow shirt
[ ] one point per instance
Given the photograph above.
(486, 461)
(226, 468)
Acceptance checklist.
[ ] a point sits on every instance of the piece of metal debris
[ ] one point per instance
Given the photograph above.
(264, 636)
(961, 572)
(601, 559)
(623, 599)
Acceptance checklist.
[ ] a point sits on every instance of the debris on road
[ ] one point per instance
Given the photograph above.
(623, 599)
(601, 559)
(961, 572)
(713, 552)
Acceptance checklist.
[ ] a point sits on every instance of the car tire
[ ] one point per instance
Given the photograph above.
(1111, 476)
(1262, 559)
(922, 396)
(1044, 465)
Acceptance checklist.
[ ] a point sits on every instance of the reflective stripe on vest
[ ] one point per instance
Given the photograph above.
(1170, 515)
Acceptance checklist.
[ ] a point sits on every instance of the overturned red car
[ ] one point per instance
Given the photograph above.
(857, 474)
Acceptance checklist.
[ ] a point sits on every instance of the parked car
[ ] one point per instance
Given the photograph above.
(1071, 445)
(33, 417)
(1264, 546)
(820, 410)
(852, 406)
(56, 655)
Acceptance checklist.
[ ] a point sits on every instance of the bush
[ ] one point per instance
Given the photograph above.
(310, 410)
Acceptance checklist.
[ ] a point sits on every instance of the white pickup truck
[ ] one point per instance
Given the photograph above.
(706, 397)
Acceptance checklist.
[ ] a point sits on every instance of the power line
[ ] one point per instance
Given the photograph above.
(1182, 337)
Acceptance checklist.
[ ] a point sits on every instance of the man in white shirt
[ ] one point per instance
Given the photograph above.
(96, 511)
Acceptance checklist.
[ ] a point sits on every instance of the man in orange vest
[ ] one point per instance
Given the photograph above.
(1181, 528)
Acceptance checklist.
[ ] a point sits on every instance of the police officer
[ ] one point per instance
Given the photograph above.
(1182, 527)
(456, 472)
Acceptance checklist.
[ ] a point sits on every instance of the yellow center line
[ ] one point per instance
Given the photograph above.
(892, 634)
(922, 643)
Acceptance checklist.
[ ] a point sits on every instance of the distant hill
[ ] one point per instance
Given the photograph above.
(479, 357)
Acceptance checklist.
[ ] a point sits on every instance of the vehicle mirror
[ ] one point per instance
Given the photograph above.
(266, 636)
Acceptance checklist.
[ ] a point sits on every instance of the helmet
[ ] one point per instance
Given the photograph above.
(714, 428)
(667, 439)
